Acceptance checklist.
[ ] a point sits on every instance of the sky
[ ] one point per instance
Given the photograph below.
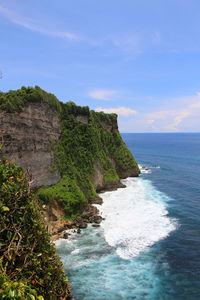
(137, 58)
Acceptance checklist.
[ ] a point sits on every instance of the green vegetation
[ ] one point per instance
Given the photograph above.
(29, 266)
(16, 100)
(82, 145)
(68, 193)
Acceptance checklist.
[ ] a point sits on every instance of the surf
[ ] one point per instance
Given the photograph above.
(136, 217)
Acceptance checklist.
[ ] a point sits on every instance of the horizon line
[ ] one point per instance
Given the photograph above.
(161, 132)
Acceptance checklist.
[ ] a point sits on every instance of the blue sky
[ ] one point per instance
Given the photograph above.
(138, 58)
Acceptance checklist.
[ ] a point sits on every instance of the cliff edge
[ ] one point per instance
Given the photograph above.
(71, 152)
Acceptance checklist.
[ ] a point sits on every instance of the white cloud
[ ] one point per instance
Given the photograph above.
(177, 120)
(103, 94)
(123, 111)
(28, 24)
(179, 114)
(173, 118)
(195, 105)
(150, 122)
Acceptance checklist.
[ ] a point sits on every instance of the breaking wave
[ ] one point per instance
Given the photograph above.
(136, 217)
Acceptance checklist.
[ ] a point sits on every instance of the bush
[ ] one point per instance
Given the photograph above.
(16, 100)
(29, 265)
(67, 193)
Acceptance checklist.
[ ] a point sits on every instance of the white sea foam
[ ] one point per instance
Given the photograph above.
(135, 217)
(72, 234)
(147, 170)
(76, 251)
(144, 169)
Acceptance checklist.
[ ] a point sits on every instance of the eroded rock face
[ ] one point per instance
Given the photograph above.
(82, 119)
(98, 180)
(98, 177)
(107, 126)
(28, 138)
(54, 216)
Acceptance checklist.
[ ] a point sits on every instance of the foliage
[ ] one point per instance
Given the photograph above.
(81, 146)
(123, 158)
(71, 108)
(29, 266)
(68, 193)
(16, 100)
(17, 290)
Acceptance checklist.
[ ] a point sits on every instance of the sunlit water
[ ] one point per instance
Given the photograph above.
(148, 246)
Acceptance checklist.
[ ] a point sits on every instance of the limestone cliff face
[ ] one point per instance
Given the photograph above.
(98, 179)
(41, 134)
(27, 138)
(54, 217)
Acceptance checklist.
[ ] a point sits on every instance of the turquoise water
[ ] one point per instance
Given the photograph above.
(148, 247)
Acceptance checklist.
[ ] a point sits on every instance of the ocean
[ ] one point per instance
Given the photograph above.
(148, 246)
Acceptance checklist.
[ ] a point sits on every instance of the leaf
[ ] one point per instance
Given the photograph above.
(11, 293)
(40, 298)
(5, 208)
(18, 269)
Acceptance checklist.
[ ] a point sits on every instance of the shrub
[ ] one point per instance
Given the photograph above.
(16, 100)
(29, 265)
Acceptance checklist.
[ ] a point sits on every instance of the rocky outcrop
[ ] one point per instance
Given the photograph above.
(82, 119)
(107, 126)
(28, 138)
(98, 180)
(54, 217)
(98, 176)
(57, 224)
(91, 155)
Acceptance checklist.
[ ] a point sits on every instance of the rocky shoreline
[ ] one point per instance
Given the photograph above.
(90, 215)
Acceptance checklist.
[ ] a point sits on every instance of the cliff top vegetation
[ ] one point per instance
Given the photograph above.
(15, 100)
(82, 147)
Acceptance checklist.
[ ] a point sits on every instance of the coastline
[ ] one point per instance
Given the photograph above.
(90, 215)
(150, 271)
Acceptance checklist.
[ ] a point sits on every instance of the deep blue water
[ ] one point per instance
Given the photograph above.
(149, 245)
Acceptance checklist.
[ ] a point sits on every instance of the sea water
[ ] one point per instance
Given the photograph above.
(148, 246)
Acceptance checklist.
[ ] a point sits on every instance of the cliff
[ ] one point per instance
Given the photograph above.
(26, 138)
(72, 152)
